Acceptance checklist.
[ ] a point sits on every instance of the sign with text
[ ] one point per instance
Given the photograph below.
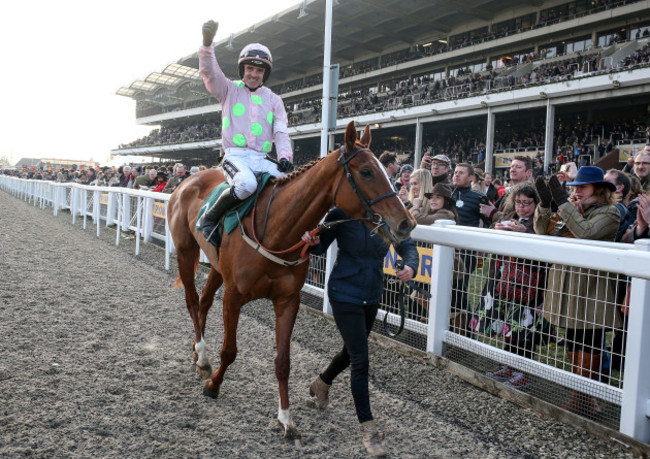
(424, 270)
(505, 159)
(627, 151)
(159, 209)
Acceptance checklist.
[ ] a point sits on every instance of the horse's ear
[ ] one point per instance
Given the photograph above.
(366, 137)
(350, 136)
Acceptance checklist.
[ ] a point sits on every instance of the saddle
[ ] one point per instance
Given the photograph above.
(231, 219)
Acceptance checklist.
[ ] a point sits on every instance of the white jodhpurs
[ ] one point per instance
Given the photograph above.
(242, 166)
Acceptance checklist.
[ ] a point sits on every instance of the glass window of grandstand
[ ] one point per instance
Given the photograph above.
(639, 31)
(568, 10)
(549, 51)
(467, 69)
(468, 38)
(580, 44)
(430, 48)
(515, 25)
(512, 59)
(612, 36)
(425, 78)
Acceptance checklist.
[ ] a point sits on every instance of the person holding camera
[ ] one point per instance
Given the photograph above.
(521, 170)
(440, 166)
(253, 119)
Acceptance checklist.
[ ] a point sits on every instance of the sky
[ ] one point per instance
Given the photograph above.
(64, 60)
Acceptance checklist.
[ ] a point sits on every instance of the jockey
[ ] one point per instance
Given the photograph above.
(253, 117)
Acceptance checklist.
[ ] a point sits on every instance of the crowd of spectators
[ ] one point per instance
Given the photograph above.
(153, 177)
(190, 131)
(522, 301)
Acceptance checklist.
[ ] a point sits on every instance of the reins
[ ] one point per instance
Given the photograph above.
(373, 218)
(403, 286)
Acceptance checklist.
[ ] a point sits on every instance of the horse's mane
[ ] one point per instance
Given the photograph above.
(295, 173)
(303, 168)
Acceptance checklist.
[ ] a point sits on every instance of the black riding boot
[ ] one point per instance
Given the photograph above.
(211, 218)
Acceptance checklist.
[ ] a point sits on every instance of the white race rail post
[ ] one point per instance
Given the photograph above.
(442, 272)
(636, 379)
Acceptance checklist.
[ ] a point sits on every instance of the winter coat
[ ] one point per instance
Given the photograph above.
(468, 206)
(430, 218)
(575, 297)
(358, 274)
(173, 182)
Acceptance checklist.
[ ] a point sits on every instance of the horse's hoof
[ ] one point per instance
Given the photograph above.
(210, 390)
(291, 435)
(204, 372)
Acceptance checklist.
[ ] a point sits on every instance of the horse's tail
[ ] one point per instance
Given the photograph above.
(179, 281)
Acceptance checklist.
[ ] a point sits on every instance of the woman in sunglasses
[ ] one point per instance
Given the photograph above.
(516, 288)
(253, 118)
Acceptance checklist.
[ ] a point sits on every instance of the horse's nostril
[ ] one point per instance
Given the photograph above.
(405, 226)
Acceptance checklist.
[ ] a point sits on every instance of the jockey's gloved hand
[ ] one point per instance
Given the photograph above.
(285, 165)
(209, 31)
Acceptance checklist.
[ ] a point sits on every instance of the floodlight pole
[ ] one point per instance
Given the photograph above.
(327, 50)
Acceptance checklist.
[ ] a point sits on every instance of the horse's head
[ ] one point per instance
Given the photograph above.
(367, 192)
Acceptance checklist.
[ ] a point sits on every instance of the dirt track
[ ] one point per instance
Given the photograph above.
(95, 361)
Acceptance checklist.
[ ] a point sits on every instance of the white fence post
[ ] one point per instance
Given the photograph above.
(442, 271)
(110, 209)
(147, 225)
(636, 379)
(97, 210)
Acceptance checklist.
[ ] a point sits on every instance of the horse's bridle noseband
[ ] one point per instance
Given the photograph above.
(373, 217)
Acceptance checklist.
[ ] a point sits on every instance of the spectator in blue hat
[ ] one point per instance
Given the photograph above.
(584, 308)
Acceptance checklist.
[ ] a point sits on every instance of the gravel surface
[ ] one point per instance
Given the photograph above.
(96, 362)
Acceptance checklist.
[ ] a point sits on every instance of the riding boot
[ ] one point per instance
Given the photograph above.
(320, 390)
(210, 220)
(372, 439)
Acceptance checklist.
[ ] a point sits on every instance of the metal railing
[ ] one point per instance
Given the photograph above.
(470, 318)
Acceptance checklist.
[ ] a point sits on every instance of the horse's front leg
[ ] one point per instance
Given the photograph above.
(232, 304)
(286, 311)
(212, 284)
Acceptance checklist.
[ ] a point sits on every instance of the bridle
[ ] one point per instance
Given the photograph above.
(373, 217)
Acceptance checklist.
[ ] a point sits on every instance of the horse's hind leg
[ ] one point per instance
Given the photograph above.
(214, 281)
(232, 304)
(188, 255)
(286, 311)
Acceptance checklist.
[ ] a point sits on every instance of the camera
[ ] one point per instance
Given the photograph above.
(484, 200)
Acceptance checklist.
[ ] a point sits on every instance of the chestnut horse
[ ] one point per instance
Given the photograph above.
(351, 178)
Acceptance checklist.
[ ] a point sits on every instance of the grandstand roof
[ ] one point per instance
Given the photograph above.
(360, 28)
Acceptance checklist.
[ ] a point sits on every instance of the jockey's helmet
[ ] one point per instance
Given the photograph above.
(257, 55)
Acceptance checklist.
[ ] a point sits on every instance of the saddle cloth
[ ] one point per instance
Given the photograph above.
(230, 221)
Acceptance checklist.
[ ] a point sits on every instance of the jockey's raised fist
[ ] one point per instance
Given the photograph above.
(209, 31)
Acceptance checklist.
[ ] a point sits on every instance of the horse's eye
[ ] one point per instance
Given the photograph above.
(366, 173)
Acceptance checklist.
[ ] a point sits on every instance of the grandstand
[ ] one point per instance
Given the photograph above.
(480, 81)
